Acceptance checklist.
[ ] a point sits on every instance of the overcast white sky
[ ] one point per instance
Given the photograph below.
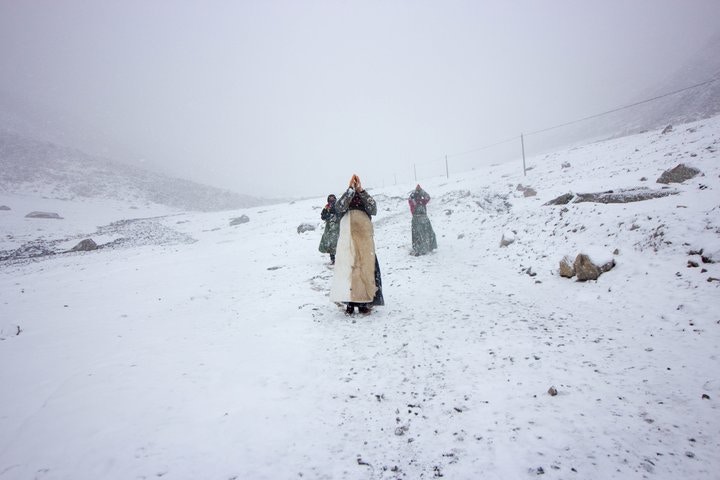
(290, 98)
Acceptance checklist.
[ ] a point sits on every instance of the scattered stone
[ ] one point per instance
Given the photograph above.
(4, 207)
(690, 454)
(565, 165)
(461, 236)
(705, 396)
(667, 130)
(678, 174)
(567, 269)
(552, 391)
(527, 191)
(692, 264)
(695, 252)
(239, 220)
(643, 179)
(448, 212)
(305, 227)
(713, 279)
(616, 251)
(85, 246)
(707, 259)
(505, 241)
(43, 215)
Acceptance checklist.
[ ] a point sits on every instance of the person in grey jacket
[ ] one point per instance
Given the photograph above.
(328, 242)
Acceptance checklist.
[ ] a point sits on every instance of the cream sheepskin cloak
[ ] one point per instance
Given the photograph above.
(354, 279)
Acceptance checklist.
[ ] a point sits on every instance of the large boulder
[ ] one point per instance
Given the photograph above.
(678, 174)
(586, 269)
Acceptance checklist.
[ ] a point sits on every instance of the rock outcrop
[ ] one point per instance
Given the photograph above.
(678, 174)
(43, 215)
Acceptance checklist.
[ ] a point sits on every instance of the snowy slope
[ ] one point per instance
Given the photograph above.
(218, 355)
(39, 168)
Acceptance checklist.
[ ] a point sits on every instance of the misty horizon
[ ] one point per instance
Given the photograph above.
(282, 99)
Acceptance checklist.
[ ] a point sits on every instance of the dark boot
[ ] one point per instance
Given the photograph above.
(332, 259)
(349, 310)
(364, 310)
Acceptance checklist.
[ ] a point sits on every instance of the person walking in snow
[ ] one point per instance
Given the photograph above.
(423, 235)
(356, 282)
(328, 242)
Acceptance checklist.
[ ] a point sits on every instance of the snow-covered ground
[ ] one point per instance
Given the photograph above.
(214, 353)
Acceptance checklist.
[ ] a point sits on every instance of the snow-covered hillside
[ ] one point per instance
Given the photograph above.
(205, 350)
(37, 168)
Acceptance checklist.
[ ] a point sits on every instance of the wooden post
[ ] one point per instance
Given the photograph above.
(447, 171)
(522, 143)
(415, 172)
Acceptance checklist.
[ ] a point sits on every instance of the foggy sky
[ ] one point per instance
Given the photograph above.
(290, 98)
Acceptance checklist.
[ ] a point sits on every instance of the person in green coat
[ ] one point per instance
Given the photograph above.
(423, 235)
(328, 242)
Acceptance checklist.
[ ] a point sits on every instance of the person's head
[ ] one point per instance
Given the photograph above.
(331, 198)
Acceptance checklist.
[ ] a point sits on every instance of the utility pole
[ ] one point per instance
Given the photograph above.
(415, 172)
(447, 170)
(522, 143)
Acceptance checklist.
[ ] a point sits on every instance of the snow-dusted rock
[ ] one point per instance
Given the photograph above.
(585, 269)
(624, 195)
(4, 207)
(85, 246)
(591, 266)
(305, 227)
(567, 269)
(678, 174)
(239, 220)
(43, 215)
(527, 191)
(563, 199)
(507, 239)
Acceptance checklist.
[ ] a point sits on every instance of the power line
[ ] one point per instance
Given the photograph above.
(483, 147)
(624, 107)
